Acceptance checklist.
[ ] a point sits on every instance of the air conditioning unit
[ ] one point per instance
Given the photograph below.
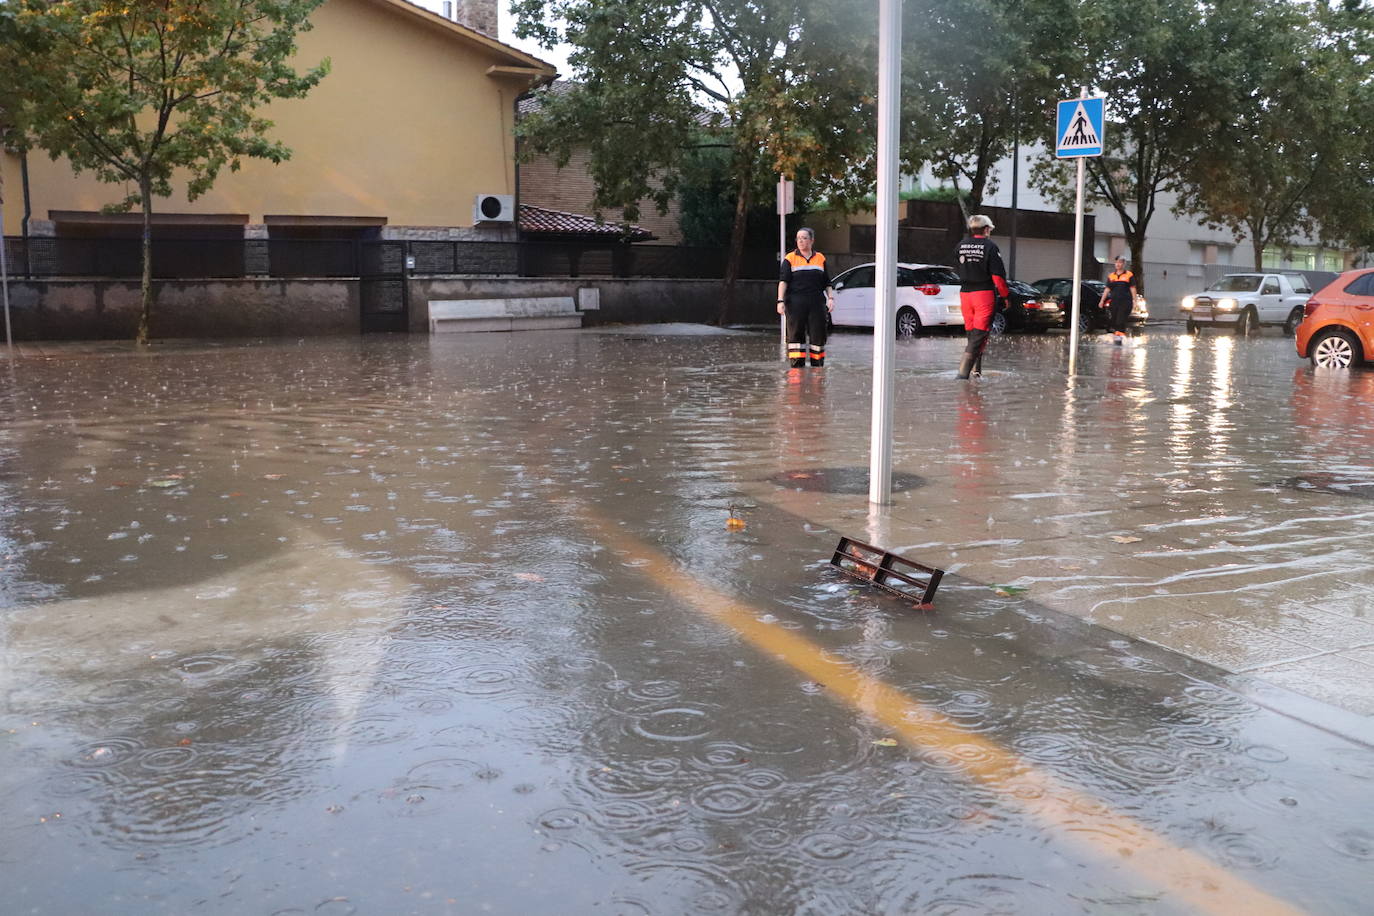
(494, 208)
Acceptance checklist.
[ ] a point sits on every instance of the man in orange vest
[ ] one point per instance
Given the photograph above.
(1121, 291)
(806, 298)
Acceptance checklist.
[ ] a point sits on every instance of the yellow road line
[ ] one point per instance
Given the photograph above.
(1083, 819)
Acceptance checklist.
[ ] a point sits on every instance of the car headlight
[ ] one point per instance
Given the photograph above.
(1187, 303)
(1226, 304)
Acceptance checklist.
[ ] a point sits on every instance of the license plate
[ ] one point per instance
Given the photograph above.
(1200, 311)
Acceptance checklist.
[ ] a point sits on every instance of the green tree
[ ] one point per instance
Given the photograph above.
(781, 87)
(148, 91)
(1155, 60)
(976, 74)
(1294, 133)
(1343, 204)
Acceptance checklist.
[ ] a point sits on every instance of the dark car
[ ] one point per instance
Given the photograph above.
(1091, 318)
(1027, 309)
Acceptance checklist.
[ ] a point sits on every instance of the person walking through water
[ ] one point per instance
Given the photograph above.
(806, 297)
(982, 279)
(1121, 291)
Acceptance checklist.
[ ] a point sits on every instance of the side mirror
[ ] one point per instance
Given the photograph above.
(838, 287)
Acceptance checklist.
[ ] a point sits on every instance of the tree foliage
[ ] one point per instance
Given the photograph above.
(977, 74)
(1295, 133)
(151, 92)
(782, 87)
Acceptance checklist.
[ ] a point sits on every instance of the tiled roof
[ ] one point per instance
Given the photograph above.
(559, 222)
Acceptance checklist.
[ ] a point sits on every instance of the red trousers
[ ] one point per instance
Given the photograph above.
(977, 308)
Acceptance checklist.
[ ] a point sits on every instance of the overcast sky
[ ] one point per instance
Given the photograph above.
(506, 26)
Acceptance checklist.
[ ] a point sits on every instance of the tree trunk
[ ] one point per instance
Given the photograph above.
(1257, 244)
(145, 190)
(736, 259)
(1136, 241)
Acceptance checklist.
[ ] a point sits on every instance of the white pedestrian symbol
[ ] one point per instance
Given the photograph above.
(1079, 133)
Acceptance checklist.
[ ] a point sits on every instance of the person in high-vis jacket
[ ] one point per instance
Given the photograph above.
(806, 297)
(1120, 294)
(982, 279)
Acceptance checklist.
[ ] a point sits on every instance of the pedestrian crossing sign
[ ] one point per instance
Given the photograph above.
(1080, 128)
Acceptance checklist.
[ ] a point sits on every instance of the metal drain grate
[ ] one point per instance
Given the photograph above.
(840, 480)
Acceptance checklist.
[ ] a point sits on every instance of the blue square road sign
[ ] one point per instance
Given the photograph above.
(1079, 128)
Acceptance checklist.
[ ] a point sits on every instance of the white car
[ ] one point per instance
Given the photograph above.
(927, 297)
(1247, 301)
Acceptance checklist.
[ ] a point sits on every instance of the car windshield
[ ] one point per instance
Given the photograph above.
(1237, 283)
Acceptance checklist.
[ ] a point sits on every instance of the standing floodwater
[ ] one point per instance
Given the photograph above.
(458, 626)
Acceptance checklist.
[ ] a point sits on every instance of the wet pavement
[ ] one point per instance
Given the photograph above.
(459, 626)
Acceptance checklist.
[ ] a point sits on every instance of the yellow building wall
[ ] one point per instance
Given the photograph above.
(407, 126)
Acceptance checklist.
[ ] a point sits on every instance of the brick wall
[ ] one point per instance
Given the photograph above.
(571, 189)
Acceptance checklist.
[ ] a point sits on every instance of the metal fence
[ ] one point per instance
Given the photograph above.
(337, 258)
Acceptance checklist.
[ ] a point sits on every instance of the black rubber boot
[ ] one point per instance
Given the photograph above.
(965, 365)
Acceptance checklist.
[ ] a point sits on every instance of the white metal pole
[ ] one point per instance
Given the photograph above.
(885, 302)
(782, 253)
(5, 281)
(1077, 262)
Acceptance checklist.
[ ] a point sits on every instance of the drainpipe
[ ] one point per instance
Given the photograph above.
(28, 210)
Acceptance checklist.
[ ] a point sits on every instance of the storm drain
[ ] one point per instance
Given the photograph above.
(840, 480)
(1359, 488)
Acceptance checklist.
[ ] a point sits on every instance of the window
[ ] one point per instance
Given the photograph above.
(1299, 282)
(448, 9)
(1332, 260)
(858, 278)
(940, 276)
(1224, 255)
(1363, 285)
(1271, 287)
(1236, 283)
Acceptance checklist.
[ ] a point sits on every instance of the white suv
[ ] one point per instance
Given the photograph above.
(1245, 302)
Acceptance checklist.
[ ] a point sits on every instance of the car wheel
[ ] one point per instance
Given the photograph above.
(1085, 322)
(908, 323)
(1290, 327)
(1335, 349)
(999, 324)
(1192, 327)
(1247, 323)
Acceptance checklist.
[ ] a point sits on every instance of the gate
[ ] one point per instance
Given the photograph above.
(382, 288)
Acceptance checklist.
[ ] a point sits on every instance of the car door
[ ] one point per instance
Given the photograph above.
(1270, 302)
(854, 298)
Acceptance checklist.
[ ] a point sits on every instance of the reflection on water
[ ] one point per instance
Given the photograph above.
(339, 640)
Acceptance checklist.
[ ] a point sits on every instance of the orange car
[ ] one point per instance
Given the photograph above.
(1337, 329)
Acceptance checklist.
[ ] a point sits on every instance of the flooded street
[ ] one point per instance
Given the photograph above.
(459, 626)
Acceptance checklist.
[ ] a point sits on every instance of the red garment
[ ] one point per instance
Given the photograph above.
(977, 307)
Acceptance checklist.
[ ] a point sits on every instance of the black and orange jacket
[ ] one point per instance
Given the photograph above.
(1119, 285)
(804, 276)
(980, 266)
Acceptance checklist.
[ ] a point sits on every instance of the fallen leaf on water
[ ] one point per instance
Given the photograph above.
(272, 476)
(164, 484)
(529, 577)
(1124, 539)
(886, 742)
(734, 524)
(1008, 591)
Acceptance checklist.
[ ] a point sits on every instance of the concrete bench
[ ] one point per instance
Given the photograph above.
(524, 314)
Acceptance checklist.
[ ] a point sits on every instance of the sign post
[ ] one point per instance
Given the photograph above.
(786, 204)
(1079, 127)
(885, 302)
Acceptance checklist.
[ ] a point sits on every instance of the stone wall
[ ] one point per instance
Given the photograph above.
(109, 309)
